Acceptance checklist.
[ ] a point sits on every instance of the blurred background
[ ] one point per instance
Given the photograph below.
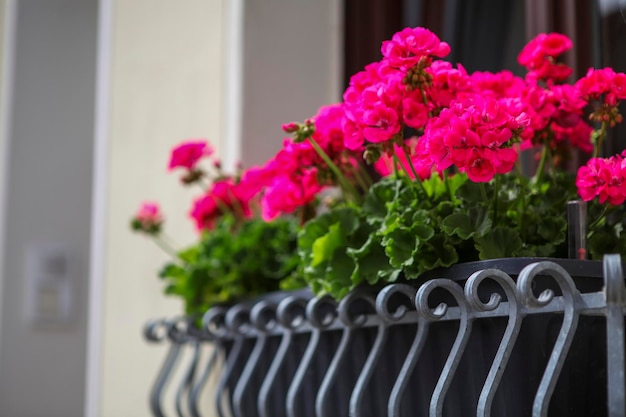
(93, 95)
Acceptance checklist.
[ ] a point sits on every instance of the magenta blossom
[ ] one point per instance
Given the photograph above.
(604, 178)
(538, 57)
(148, 218)
(187, 154)
(225, 197)
(475, 135)
(407, 47)
(603, 82)
(285, 195)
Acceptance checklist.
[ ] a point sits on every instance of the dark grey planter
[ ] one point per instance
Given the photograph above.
(292, 355)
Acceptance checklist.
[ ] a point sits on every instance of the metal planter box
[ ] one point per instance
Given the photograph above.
(513, 337)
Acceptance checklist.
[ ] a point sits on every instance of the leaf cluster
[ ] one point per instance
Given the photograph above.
(404, 229)
(235, 261)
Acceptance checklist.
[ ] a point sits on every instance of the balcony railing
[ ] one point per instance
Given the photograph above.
(515, 338)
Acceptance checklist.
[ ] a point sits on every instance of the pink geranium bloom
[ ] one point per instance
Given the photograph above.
(414, 114)
(286, 194)
(538, 56)
(542, 46)
(187, 154)
(603, 81)
(385, 164)
(381, 124)
(149, 214)
(604, 178)
(224, 197)
(479, 167)
(408, 46)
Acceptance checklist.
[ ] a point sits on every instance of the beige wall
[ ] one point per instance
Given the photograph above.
(292, 65)
(166, 79)
(167, 84)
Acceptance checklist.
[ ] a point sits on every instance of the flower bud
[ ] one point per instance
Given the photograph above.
(290, 127)
(372, 154)
(192, 176)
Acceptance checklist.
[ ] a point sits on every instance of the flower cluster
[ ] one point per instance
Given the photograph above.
(296, 175)
(476, 135)
(445, 181)
(148, 218)
(604, 178)
(539, 55)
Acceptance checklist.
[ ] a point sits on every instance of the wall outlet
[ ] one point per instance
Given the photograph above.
(51, 282)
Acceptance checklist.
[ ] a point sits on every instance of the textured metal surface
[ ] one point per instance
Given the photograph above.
(498, 338)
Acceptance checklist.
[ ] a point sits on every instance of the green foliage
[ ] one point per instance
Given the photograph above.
(230, 263)
(403, 229)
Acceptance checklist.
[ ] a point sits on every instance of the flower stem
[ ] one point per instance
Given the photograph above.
(496, 185)
(483, 191)
(166, 247)
(361, 179)
(601, 217)
(415, 176)
(237, 207)
(522, 213)
(598, 145)
(446, 183)
(343, 181)
(542, 164)
(365, 175)
(396, 162)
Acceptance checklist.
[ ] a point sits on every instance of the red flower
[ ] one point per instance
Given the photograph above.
(538, 56)
(225, 196)
(407, 47)
(148, 218)
(604, 178)
(187, 154)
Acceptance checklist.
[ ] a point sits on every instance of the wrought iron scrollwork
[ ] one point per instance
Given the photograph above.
(294, 355)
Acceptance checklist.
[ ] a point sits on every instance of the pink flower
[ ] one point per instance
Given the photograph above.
(415, 114)
(603, 81)
(149, 212)
(538, 56)
(187, 154)
(407, 47)
(224, 197)
(576, 136)
(285, 194)
(381, 124)
(475, 135)
(479, 166)
(604, 178)
(290, 127)
(385, 164)
(148, 218)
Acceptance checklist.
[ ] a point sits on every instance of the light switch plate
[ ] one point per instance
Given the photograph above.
(50, 285)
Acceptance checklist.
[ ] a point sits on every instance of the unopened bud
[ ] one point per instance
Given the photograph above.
(372, 154)
(290, 127)
(192, 176)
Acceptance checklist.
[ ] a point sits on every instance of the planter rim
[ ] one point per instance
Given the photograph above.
(513, 266)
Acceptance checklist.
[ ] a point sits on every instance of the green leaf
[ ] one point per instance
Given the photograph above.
(172, 270)
(502, 242)
(475, 222)
(470, 192)
(552, 229)
(371, 262)
(324, 247)
(434, 253)
(402, 244)
(378, 196)
(434, 186)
